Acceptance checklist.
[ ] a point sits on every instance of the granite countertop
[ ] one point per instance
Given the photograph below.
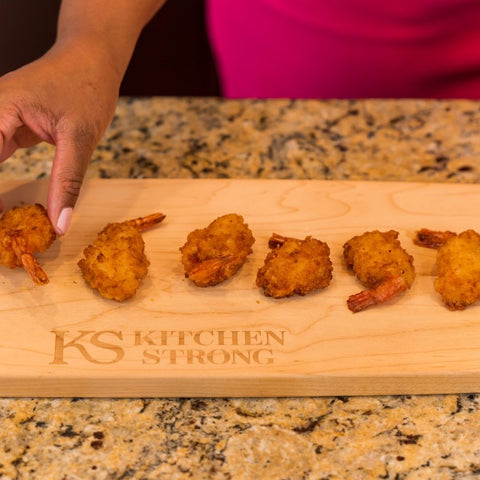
(396, 437)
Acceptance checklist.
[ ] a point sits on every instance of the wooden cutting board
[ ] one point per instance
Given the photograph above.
(175, 339)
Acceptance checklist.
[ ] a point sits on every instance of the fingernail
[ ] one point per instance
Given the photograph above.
(64, 219)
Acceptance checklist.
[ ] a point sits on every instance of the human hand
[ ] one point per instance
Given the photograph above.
(66, 98)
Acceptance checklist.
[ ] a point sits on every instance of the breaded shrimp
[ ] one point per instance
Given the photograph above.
(295, 266)
(23, 232)
(116, 262)
(381, 265)
(213, 254)
(458, 265)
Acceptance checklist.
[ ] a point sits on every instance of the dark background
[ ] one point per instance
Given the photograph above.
(172, 56)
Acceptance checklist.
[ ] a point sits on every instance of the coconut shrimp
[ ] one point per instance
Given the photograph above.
(381, 264)
(295, 266)
(23, 232)
(215, 253)
(458, 265)
(115, 263)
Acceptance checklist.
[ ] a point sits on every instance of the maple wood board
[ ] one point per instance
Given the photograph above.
(175, 339)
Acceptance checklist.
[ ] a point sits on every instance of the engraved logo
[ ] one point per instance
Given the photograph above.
(168, 347)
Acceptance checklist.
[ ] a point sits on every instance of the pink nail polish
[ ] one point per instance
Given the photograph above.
(64, 219)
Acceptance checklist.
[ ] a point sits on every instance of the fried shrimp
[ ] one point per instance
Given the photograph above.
(458, 265)
(295, 266)
(116, 262)
(213, 254)
(23, 232)
(381, 265)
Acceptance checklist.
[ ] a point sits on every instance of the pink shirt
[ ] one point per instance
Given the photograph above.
(346, 48)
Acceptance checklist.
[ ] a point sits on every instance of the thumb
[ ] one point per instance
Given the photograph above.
(68, 171)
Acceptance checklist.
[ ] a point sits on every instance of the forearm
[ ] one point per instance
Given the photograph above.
(112, 26)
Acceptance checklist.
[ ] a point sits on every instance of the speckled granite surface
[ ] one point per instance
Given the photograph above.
(406, 437)
(377, 140)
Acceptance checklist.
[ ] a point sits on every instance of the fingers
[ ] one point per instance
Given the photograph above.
(68, 171)
(9, 124)
(74, 148)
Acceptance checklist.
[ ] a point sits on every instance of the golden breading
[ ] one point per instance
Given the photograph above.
(116, 262)
(458, 265)
(23, 232)
(215, 253)
(295, 266)
(381, 264)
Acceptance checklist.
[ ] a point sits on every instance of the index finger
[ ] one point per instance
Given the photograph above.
(10, 122)
(68, 171)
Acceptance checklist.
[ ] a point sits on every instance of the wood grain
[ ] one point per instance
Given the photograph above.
(175, 339)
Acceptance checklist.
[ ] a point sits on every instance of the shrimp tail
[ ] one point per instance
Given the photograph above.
(431, 238)
(142, 223)
(28, 261)
(276, 240)
(383, 292)
(209, 269)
